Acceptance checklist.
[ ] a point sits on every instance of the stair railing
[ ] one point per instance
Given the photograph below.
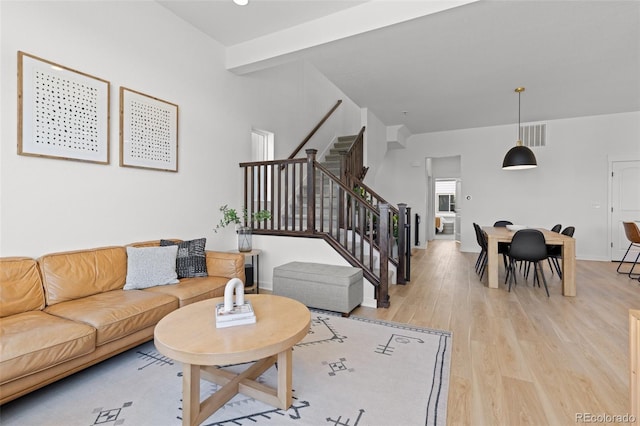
(401, 220)
(314, 130)
(307, 200)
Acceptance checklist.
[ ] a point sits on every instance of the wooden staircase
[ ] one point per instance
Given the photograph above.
(328, 200)
(333, 160)
(364, 230)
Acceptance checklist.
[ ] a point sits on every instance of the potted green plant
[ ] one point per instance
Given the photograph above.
(230, 216)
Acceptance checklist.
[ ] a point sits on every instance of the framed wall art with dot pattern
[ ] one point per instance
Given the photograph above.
(62, 113)
(148, 132)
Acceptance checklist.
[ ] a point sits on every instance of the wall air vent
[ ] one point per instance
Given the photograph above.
(534, 135)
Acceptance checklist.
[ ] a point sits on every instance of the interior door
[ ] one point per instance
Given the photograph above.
(458, 209)
(625, 205)
(430, 216)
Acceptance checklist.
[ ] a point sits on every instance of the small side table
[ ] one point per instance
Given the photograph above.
(255, 263)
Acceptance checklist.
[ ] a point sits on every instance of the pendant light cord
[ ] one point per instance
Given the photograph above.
(519, 90)
(519, 128)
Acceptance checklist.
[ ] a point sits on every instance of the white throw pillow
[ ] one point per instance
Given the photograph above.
(151, 266)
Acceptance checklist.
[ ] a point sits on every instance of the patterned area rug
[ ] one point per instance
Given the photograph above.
(346, 372)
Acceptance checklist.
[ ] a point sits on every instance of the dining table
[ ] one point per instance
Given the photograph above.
(500, 234)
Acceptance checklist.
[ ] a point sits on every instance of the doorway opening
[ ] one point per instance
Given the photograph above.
(445, 209)
(447, 172)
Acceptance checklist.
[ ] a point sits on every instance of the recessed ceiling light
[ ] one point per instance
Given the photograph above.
(241, 2)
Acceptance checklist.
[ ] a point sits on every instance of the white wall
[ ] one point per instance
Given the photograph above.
(569, 186)
(290, 100)
(51, 205)
(313, 250)
(375, 146)
(446, 167)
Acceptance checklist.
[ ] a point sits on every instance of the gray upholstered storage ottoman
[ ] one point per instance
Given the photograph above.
(330, 287)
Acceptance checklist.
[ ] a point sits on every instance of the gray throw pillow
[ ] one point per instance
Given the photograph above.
(192, 259)
(151, 266)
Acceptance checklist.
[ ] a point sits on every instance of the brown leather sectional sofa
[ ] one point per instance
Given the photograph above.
(66, 311)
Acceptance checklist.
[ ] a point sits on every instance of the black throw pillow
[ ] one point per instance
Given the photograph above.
(191, 260)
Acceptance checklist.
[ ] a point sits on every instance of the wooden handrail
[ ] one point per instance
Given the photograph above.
(314, 130)
(373, 194)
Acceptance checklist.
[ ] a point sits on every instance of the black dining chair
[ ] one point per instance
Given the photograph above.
(481, 262)
(632, 233)
(555, 252)
(554, 228)
(502, 223)
(528, 245)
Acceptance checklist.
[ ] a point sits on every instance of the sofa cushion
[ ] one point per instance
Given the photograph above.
(191, 290)
(191, 259)
(151, 266)
(33, 341)
(228, 265)
(20, 286)
(76, 274)
(118, 313)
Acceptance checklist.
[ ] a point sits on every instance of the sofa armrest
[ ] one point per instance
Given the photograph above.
(228, 265)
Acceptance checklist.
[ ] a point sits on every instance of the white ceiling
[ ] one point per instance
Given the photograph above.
(457, 68)
(231, 24)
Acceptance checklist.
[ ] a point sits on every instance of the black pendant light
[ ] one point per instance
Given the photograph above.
(519, 157)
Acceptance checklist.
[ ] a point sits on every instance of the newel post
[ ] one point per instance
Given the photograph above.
(407, 268)
(402, 216)
(382, 291)
(311, 190)
(343, 165)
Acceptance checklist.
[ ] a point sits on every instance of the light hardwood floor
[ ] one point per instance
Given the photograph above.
(521, 358)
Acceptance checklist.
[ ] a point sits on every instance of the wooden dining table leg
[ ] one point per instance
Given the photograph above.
(492, 261)
(569, 267)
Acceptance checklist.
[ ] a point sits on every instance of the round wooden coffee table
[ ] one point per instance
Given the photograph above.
(189, 335)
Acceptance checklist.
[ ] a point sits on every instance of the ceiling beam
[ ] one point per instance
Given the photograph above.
(288, 44)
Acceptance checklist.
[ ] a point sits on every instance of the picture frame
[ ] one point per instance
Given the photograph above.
(62, 113)
(148, 132)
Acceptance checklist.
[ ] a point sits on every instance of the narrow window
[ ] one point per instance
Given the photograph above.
(262, 145)
(445, 196)
(262, 150)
